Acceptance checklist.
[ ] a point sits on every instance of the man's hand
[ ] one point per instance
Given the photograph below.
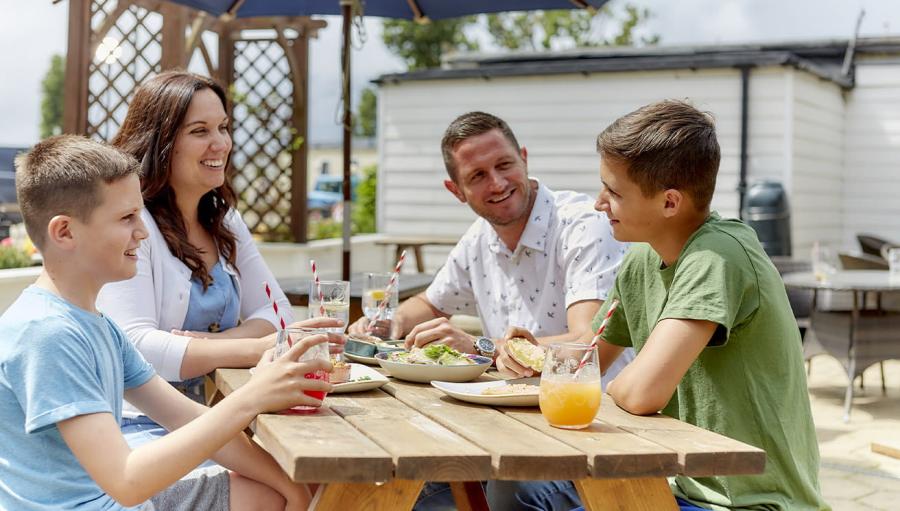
(505, 363)
(440, 331)
(382, 328)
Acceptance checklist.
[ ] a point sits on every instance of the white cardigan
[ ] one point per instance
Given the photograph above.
(153, 302)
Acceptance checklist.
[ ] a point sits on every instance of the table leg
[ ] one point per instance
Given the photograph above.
(469, 496)
(390, 496)
(851, 356)
(646, 494)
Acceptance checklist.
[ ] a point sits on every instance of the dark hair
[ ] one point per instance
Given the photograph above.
(470, 125)
(148, 133)
(61, 176)
(669, 144)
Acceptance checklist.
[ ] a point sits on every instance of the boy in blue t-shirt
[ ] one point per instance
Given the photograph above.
(64, 366)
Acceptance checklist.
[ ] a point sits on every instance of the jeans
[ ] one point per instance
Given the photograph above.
(506, 496)
(518, 496)
(142, 430)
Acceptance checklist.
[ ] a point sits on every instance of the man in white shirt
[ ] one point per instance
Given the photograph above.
(535, 260)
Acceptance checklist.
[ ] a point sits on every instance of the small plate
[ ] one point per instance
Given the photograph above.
(422, 373)
(471, 392)
(360, 371)
(361, 359)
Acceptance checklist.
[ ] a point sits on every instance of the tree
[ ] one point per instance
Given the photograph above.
(557, 29)
(423, 45)
(367, 111)
(52, 97)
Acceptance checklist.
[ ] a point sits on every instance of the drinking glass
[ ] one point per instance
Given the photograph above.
(374, 290)
(824, 262)
(569, 396)
(335, 299)
(893, 256)
(288, 337)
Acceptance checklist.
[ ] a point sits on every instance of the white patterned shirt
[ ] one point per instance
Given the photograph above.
(566, 254)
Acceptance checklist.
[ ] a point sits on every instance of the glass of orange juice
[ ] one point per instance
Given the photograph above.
(569, 396)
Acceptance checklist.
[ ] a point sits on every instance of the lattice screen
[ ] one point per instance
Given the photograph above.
(263, 136)
(134, 54)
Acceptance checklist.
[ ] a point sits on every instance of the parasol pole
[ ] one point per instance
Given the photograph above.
(346, 13)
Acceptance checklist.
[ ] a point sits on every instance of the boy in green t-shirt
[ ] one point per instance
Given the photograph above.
(717, 344)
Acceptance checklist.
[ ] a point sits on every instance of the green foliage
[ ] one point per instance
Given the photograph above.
(555, 29)
(363, 211)
(13, 257)
(367, 111)
(364, 208)
(52, 97)
(423, 45)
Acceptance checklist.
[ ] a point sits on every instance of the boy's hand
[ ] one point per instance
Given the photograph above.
(505, 363)
(279, 385)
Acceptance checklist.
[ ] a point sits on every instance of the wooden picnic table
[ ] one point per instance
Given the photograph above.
(374, 450)
(416, 243)
(297, 289)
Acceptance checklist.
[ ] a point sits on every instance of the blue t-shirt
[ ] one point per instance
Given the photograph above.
(57, 361)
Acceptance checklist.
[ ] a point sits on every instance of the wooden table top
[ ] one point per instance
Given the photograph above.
(410, 431)
(845, 280)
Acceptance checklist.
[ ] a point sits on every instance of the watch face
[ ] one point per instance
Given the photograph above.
(486, 345)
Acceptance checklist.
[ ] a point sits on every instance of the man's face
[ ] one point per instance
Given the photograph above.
(109, 239)
(492, 177)
(632, 216)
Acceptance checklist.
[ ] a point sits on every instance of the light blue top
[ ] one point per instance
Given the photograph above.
(57, 361)
(216, 308)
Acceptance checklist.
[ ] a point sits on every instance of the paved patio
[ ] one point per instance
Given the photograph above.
(852, 476)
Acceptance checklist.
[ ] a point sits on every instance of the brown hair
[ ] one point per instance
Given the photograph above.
(61, 176)
(148, 133)
(669, 144)
(470, 125)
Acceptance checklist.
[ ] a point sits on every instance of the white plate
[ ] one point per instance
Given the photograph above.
(422, 373)
(360, 371)
(362, 360)
(471, 392)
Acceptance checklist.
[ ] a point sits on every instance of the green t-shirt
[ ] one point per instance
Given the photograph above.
(749, 383)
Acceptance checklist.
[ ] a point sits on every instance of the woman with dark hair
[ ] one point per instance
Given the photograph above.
(198, 300)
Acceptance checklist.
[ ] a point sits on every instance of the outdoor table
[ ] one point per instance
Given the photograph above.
(297, 289)
(416, 243)
(859, 337)
(374, 450)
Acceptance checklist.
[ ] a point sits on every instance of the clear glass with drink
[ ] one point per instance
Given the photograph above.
(374, 291)
(569, 396)
(287, 338)
(825, 262)
(335, 302)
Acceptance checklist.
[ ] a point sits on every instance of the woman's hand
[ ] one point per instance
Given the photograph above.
(505, 363)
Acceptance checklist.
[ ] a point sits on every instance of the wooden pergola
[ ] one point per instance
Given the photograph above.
(114, 45)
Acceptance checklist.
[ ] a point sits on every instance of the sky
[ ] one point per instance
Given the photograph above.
(31, 31)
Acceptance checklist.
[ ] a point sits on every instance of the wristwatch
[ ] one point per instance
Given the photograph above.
(485, 347)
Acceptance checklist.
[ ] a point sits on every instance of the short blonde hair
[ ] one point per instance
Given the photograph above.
(61, 176)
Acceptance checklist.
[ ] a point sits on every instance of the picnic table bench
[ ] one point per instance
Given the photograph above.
(374, 450)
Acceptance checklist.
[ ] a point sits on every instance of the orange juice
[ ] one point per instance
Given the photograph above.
(569, 404)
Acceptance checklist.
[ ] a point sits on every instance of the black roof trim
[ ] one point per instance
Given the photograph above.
(821, 58)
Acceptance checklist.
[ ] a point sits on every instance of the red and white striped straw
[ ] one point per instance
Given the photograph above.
(312, 263)
(389, 290)
(596, 339)
(275, 308)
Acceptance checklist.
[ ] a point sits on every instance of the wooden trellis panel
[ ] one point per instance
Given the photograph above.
(267, 79)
